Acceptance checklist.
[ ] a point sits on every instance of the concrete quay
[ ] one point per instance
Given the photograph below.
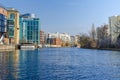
(7, 47)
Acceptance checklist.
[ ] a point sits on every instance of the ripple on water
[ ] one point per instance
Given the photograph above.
(60, 64)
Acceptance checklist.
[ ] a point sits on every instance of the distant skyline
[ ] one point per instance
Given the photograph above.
(71, 16)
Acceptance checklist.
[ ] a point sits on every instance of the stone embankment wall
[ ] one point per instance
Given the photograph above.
(7, 47)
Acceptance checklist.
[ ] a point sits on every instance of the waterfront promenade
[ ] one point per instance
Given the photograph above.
(7, 47)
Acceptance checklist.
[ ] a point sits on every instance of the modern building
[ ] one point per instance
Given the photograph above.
(114, 24)
(49, 37)
(13, 25)
(29, 29)
(3, 22)
(54, 35)
(42, 37)
(65, 37)
(54, 41)
(57, 41)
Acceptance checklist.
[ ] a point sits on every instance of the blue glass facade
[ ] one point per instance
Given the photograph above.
(10, 28)
(3, 23)
(29, 30)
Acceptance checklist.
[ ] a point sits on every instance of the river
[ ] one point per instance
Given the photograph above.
(60, 64)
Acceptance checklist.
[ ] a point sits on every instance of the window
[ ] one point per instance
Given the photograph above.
(10, 22)
(0, 22)
(12, 16)
(36, 23)
(3, 29)
(11, 31)
(36, 27)
(2, 17)
(28, 27)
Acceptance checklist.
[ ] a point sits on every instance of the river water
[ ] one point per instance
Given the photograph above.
(60, 64)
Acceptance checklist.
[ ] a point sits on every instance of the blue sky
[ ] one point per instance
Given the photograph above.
(71, 16)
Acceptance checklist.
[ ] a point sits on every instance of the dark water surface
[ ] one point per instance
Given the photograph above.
(60, 64)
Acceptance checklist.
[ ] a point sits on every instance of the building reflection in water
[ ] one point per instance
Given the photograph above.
(28, 65)
(17, 64)
(9, 63)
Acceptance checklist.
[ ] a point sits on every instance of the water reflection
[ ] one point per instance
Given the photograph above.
(60, 64)
(28, 65)
(9, 62)
(17, 64)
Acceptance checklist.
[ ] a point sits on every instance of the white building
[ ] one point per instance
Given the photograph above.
(114, 24)
(54, 35)
(65, 37)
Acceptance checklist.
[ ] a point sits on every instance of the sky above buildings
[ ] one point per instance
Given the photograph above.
(71, 16)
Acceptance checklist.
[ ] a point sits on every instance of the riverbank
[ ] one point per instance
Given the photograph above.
(110, 49)
(7, 47)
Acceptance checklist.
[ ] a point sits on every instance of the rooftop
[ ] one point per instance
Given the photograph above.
(12, 9)
(28, 15)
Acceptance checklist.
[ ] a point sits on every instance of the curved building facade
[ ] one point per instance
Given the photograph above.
(13, 25)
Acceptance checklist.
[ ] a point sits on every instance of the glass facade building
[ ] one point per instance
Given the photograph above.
(3, 19)
(10, 22)
(29, 29)
(3, 23)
